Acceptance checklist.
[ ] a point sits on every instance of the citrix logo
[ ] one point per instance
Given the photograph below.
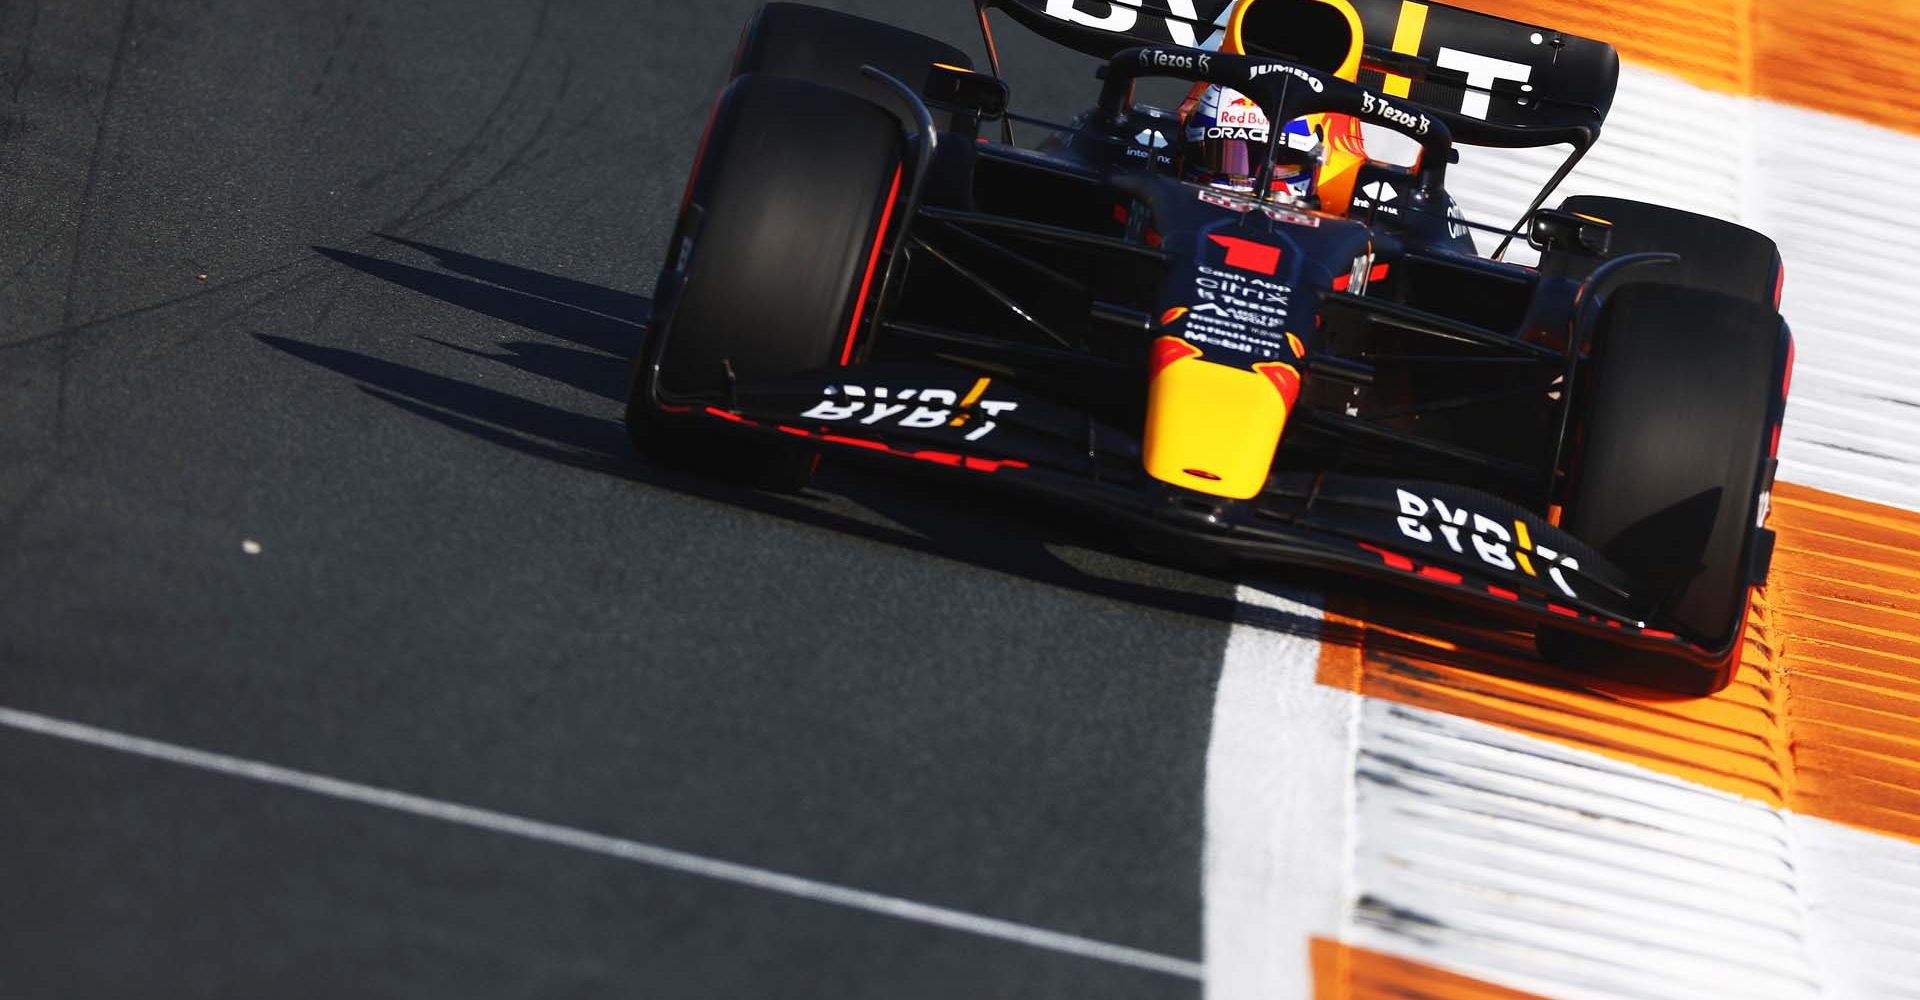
(1513, 551)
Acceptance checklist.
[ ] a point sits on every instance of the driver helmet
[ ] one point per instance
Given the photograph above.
(1227, 140)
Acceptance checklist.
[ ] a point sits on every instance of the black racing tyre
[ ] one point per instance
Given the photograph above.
(1715, 255)
(768, 263)
(828, 47)
(1672, 454)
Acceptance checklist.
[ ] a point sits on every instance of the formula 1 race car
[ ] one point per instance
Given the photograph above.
(1324, 375)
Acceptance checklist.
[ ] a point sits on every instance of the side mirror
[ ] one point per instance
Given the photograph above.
(1570, 232)
(963, 89)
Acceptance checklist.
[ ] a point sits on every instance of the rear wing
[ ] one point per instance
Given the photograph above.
(1494, 82)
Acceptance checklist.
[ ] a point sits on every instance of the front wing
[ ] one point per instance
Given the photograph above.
(1460, 544)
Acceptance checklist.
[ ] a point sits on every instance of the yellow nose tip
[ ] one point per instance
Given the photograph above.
(1213, 428)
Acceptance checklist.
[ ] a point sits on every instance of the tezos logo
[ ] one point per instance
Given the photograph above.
(918, 409)
(1163, 59)
(1510, 550)
(1413, 121)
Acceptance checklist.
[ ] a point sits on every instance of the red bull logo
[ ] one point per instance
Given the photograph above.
(1236, 110)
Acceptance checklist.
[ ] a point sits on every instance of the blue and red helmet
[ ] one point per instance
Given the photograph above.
(1228, 139)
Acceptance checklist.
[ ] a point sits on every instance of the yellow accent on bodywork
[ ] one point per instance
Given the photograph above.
(1216, 419)
(1337, 176)
(1341, 171)
(1349, 68)
(1406, 41)
(966, 405)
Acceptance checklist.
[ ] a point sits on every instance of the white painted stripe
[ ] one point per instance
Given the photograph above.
(1862, 893)
(1568, 873)
(1279, 796)
(1525, 863)
(1825, 189)
(602, 844)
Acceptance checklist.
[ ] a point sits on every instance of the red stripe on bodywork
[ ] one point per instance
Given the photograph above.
(1786, 388)
(946, 458)
(700, 153)
(993, 464)
(1284, 377)
(1166, 351)
(1392, 559)
(1248, 255)
(855, 442)
(873, 261)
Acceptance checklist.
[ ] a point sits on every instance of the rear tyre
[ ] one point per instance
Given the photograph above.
(1672, 458)
(772, 253)
(828, 47)
(1715, 255)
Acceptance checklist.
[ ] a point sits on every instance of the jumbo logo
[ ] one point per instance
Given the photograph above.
(1293, 71)
(916, 409)
(1513, 551)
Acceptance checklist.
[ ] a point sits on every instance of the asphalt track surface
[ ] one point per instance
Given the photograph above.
(352, 286)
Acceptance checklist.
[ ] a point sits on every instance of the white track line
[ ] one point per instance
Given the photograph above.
(595, 843)
(1280, 789)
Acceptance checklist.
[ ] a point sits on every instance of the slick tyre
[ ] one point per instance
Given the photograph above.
(1672, 459)
(778, 243)
(829, 47)
(1715, 255)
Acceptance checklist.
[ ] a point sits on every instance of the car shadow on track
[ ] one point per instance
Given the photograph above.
(593, 331)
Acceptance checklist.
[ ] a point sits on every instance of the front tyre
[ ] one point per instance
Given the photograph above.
(1672, 461)
(829, 47)
(770, 262)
